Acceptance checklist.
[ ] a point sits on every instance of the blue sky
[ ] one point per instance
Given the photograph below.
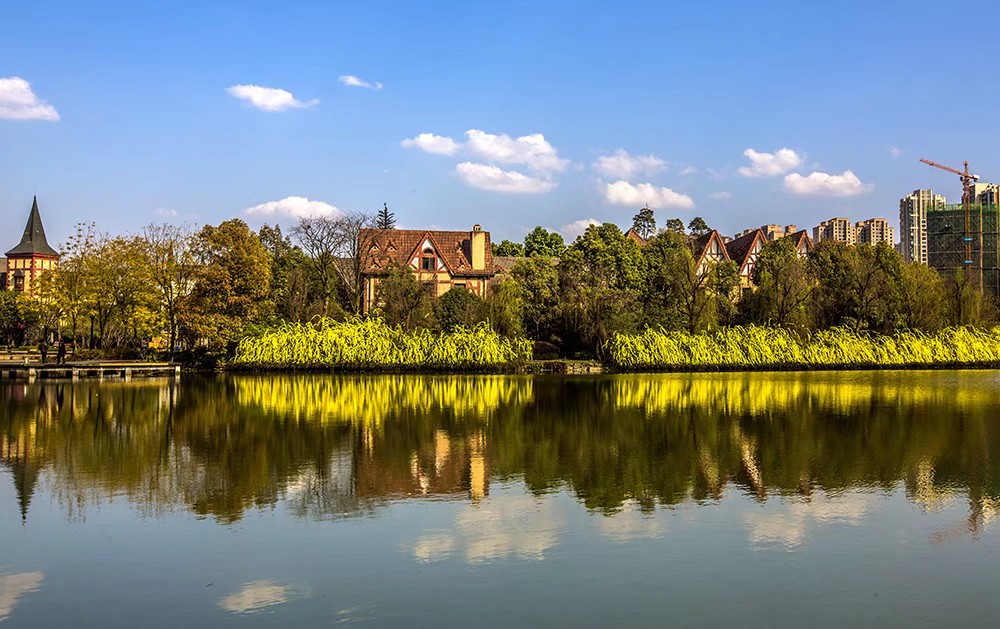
(518, 102)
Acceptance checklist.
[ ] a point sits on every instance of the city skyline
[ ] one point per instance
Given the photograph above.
(454, 119)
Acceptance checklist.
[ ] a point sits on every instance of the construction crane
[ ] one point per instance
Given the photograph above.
(967, 180)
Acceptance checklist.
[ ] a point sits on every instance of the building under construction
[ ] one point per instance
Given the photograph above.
(950, 249)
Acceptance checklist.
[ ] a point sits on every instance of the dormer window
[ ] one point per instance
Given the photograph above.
(428, 260)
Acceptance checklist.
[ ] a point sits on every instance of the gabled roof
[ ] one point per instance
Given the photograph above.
(699, 245)
(739, 250)
(634, 235)
(381, 247)
(33, 241)
(801, 237)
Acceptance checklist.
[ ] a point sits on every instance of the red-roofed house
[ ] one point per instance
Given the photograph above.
(443, 259)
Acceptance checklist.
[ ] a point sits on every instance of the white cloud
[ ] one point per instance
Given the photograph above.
(494, 179)
(532, 150)
(770, 164)
(624, 193)
(19, 102)
(895, 152)
(721, 196)
(293, 207)
(846, 184)
(688, 170)
(354, 81)
(621, 165)
(430, 143)
(572, 230)
(268, 98)
(166, 213)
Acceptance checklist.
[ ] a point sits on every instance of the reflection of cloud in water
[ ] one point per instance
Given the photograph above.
(630, 524)
(13, 586)
(497, 527)
(790, 526)
(257, 595)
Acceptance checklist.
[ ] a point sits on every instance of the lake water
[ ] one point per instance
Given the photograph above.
(862, 499)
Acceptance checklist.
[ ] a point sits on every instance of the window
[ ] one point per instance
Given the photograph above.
(428, 261)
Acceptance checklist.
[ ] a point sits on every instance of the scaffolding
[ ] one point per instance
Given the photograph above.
(952, 244)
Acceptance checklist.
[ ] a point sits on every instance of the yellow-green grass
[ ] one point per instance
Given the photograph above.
(760, 347)
(371, 345)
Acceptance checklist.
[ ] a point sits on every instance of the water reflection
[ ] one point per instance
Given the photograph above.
(13, 587)
(257, 595)
(342, 446)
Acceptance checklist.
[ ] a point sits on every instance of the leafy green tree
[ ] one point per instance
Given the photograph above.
(289, 274)
(922, 298)
(541, 242)
(404, 300)
(458, 307)
(537, 280)
(698, 226)
(505, 307)
(14, 321)
(674, 225)
(169, 260)
(600, 279)
(385, 219)
(644, 223)
(857, 285)
(965, 302)
(508, 249)
(783, 287)
(726, 290)
(677, 294)
(231, 285)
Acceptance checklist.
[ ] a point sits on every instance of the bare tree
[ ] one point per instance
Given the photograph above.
(335, 249)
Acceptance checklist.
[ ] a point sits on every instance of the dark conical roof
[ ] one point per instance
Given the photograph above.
(33, 241)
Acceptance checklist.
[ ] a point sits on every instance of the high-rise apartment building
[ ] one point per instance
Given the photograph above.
(875, 230)
(913, 223)
(836, 229)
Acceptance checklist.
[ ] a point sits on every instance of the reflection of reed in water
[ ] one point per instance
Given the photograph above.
(369, 399)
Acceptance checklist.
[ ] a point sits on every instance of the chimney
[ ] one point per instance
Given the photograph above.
(477, 238)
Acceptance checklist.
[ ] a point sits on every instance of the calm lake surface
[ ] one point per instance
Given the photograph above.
(863, 499)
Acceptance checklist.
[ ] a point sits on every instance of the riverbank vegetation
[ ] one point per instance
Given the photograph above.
(371, 344)
(757, 347)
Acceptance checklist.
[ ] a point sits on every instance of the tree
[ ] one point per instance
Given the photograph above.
(965, 302)
(644, 223)
(170, 263)
(403, 300)
(231, 284)
(335, 246)
(600, 278)
(678, 294)
(922, 298)
(458, 307)
(541, 242)
(783, 287)
(289, 274)
(537, 281)
(385, 219)
(505, 307)
(14, 321)
(857, 285)
(675, 225)
(508, 249)
(698, 226)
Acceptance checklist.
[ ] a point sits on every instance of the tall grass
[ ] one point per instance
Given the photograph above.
(371, 345)
(759, 347)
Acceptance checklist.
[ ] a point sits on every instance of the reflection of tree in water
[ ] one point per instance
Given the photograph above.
(330, 446)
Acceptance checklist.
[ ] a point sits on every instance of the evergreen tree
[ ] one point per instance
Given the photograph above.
(698, 226)
(385, 218)
(644, 223)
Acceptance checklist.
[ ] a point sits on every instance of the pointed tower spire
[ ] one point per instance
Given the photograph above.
(33, 241)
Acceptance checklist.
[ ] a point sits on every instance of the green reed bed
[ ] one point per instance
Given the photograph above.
(760, 347)
(371, 345)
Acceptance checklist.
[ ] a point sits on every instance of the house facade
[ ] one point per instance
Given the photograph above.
(31, 257)
(708, 249)
(744, 251)
(442, 260)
